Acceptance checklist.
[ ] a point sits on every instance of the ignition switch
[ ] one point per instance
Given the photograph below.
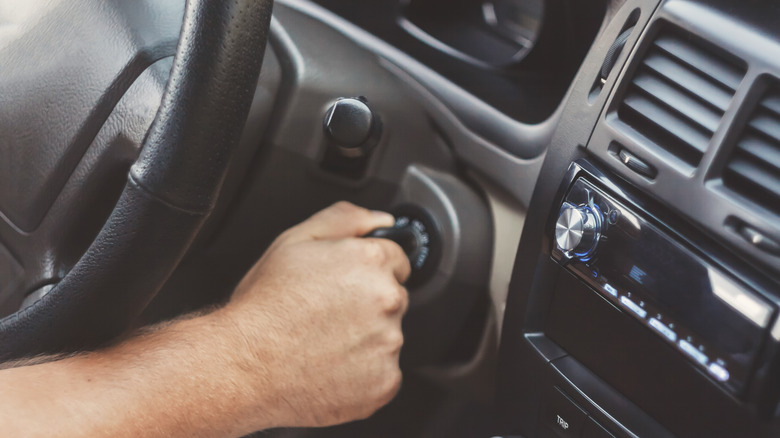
(415, 231)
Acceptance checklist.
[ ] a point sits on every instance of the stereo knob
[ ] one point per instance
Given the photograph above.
(578, 230)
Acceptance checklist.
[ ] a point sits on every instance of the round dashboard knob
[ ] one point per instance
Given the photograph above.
(578, 230)
(351, 126)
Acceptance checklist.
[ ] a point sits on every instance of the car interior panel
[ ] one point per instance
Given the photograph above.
(588, 192)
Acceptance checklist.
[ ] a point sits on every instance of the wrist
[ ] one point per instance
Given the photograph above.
(190, 375)
(245, 362)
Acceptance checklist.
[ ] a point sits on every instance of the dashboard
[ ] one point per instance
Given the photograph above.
(592, 186)
(644, 296)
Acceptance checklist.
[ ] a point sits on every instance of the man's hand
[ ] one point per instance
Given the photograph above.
(311, 337)
(320, 314)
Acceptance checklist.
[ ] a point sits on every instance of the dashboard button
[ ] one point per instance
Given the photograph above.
(562, 416)
(717, 371)
(634, 307)
(663, 329)
(611, 290)
(693, 352)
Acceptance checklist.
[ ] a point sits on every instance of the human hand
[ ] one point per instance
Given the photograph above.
(311, 337)
(320, 320)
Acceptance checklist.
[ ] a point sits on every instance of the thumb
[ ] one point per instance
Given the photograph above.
(339, 221)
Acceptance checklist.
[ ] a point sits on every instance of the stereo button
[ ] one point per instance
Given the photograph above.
(664, 330)
(721, 374)
(693, 352)
(634, 307)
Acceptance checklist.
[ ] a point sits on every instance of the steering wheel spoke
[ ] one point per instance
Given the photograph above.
(114, 154)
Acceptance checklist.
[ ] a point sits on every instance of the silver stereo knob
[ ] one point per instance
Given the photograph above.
(578, 230)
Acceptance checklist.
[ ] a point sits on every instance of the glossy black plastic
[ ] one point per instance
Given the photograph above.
(349, 124)
(714, 321)
(352, 131)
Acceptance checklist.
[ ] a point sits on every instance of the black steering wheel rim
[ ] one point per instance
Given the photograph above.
(170, 190)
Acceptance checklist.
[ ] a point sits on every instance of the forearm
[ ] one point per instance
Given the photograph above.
(311, 337)
(186, 379)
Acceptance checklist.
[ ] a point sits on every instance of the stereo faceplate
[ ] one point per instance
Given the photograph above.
(710, 318)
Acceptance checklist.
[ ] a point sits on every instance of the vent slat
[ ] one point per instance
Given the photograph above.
(679, 101)
(756, 175)
(668, 121)
(696, 84)
(753, 170)
(706, 63)
(772, 103)
(679, 94)
(767, 125)
(762, 150)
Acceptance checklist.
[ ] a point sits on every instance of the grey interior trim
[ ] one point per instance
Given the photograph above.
(474, 377)
(293, 60)
(515, 175)
(699, 193)
(508, 222)
(438, 45)
(520, 139)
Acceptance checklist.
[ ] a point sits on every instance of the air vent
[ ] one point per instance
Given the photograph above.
(753, 170)
(679, 93)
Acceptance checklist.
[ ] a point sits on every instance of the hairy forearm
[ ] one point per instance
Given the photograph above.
(187, 378)
(311, 337)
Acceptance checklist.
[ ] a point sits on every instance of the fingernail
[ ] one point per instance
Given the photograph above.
(385, 216)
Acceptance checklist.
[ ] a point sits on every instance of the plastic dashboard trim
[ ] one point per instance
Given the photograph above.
(699, 194)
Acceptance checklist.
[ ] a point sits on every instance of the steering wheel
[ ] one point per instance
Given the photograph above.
(170, 188)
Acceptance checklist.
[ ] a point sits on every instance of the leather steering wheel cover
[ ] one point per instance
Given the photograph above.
(170, 191)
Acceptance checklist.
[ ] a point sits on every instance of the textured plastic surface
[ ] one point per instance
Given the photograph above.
(169, 192)
(614, 53)
(67, 63)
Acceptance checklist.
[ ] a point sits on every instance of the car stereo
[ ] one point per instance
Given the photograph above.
(712, 319)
